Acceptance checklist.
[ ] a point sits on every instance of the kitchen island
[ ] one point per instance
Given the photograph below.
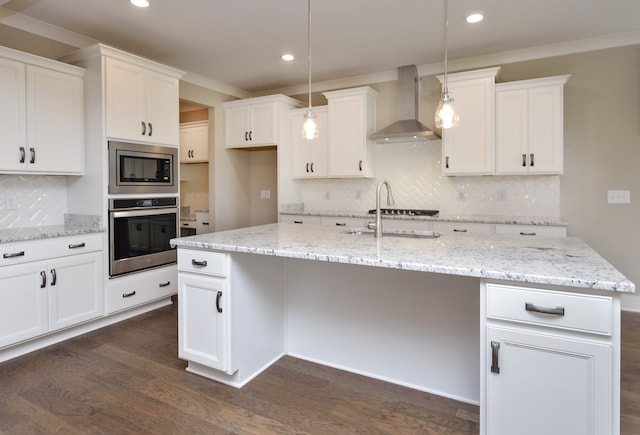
(477, 318)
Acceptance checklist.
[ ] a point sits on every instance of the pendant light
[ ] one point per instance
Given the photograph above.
(309, 126)
(446, 114)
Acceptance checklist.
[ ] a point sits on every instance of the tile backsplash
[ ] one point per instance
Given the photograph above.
(40, 200)
(415, 174)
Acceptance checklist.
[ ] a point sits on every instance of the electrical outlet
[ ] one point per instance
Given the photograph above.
(619, 197)
(11, 202)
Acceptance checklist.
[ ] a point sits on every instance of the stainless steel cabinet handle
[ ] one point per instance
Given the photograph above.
(54, 277)
(22, 154)
(77, 245)
(495, 347)
(13, 255)
(33, 155)
(527, 234)
(218, 307)
(144, 128)
(557, 311)
(532, 162)
(524, 160)
(127, 295)
(43, 279)
(202, 263)
(164, 284)
(150, 128)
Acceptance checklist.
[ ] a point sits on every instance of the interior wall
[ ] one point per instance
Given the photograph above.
(264, 186)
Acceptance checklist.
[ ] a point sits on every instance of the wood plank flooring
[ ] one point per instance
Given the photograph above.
(127, 379)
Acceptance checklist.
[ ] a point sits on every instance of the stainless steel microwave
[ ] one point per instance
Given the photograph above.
(142, 169)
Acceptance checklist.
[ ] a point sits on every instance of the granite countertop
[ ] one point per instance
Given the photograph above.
(555, 260)
(488, 219)
(74, 225)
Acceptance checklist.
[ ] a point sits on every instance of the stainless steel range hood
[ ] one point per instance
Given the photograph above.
(407, 128)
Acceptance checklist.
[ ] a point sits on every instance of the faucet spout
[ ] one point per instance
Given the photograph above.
(390, 201)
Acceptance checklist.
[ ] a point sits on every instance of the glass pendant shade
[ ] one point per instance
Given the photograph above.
(310, 126)
(446, 114)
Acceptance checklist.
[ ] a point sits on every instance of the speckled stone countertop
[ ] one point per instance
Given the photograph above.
(73, 225)
(489, 219)
(555, 260)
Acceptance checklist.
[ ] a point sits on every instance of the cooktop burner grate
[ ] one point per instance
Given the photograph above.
(405, 212)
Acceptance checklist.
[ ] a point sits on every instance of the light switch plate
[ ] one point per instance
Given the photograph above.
(619, 197)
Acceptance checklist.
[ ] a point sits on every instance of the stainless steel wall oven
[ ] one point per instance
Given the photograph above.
(142, 169)
(139, 233)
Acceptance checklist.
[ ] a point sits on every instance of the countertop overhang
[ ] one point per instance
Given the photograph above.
(552, 261)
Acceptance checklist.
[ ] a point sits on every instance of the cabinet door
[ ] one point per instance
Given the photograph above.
(194, 142)
(309, 156)
(546, 130)
(263, 127)
(125, 101)
(547, 385)
(75, 290)
(162, 109)
(12, 116)
(237, 121)
(203, 332)
(512, 131)
(23, 311)
(469, 148)
(347, 137)
(54, 122)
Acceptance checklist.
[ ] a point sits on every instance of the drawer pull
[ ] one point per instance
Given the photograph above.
(13, 255)
(164, 284)
(297, 222)
(557, 311)
(218, 307)
(77, 245)
(341, 224)
(495, 347)
(202, 263)
(128, 295)
(522, 233)
(455, 230)
(54, 277)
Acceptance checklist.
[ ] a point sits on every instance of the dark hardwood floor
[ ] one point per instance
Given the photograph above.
(127, 379)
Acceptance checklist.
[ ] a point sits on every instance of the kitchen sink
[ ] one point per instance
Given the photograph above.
(412, 234)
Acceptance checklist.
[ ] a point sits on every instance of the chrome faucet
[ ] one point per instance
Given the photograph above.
(378, 225)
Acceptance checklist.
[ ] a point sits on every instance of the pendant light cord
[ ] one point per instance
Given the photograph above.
(309, 47)
(446, 25)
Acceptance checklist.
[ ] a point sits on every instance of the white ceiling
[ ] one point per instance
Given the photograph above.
(239, 42)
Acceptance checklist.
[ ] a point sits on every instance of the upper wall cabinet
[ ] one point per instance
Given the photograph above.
(141, 104)
(194, 142)
(529, 126)
(352, 118)
(468, 149)
(255, 122)
(41, 115)
(309, 156)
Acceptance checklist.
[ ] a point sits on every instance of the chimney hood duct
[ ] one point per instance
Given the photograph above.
(407, 128)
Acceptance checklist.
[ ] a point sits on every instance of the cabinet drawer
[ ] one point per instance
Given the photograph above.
(531, 230)
(208, 263)
(581, 312)
(139, 288)
(463, 227)
(42, 249)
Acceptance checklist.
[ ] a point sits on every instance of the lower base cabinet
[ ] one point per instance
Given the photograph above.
(549, 359)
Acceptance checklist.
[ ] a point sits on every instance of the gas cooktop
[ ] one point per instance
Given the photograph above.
(405, 212)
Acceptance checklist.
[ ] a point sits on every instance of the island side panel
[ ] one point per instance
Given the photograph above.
(416, 329)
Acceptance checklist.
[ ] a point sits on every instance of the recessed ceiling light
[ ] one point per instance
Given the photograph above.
(474, 18)
(287, 57)
(140, 3)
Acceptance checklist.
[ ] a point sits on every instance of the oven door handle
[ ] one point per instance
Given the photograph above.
(143, 212)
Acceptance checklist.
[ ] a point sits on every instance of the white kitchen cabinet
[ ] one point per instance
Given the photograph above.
(41, 115)
(346, 222)
(468, 149)
(141, 104)
(445, 227)
(548, 362)
(203, 222)
(299, 219)
(529, 126)
(255, 122)
(129, 291)
(49, 284)
(351, 119)
(204, 300)
(310, 157)
(194, 142)
(532, 230)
